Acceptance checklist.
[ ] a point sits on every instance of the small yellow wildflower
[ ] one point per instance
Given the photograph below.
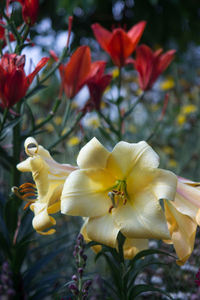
(167, 84)
(155, 107)
(93, 122)
(49, 127)
(36, 100)
(64, 131)
(188, 109)
(115, 73)
(168, 150)
(181, 119)
(172, 163)
(139, 92)
(39, 121)
(73, 141)
(132, 128)
(58, 120)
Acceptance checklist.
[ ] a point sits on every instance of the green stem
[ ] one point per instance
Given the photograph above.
(49, 73)
(71, 129)
(134, 105)
(5, 113)
(157, 126)
(21, 40)
(8, 40)
(48, 118)
(15, 174)
(108, 122)
(120, 121)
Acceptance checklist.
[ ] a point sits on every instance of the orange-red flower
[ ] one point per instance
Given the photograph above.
(80, 71)
(118, 43)
(29, 10)
(151, 64)
(13, 81)
(97, 82)
(74, 73)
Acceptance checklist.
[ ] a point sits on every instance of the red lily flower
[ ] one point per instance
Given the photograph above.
(2, 35)
(29, 10)
(119, 44)
(13, 81)
(97, 83)
(80, 71)
(75, 72)
(151, 64)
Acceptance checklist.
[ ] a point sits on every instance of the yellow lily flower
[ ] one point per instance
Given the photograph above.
(49, 177)
(119, 191)
(130, 248)
(183, 216)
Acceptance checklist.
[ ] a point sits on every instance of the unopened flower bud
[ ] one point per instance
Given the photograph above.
(84, 257)
(74, 289)
(80, 271)
(87, 284)
(74, 277)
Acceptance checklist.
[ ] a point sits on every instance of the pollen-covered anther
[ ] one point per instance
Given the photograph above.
(27, 192)
(110, 209)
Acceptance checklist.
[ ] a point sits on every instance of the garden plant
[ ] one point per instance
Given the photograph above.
(99, 154)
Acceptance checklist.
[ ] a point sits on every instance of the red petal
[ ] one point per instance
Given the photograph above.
(102, 35)
(39, 66)
(136, 32)
(53, 54)
(30, 11)
(165, 60)
(161, 63)
(76, 71)
(96, 70)
(144, 65)
(120, 47)
(14, 87)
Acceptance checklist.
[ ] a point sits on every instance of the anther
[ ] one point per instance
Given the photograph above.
(110, 209)
(124, 202)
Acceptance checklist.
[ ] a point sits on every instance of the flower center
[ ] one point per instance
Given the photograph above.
(118, 192)
(27, 192)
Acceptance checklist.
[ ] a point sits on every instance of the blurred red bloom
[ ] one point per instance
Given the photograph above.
(2, 35)
(29, 10)
(151, 64)
(74, 73)
(197, 281)
(80, 71)
(118, 43)
(13, 81)
(97, 82)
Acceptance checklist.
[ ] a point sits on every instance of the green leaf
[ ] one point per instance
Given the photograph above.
(121, 241)
(36, 268)
(147, 252)
(139, 269)
(141, 288)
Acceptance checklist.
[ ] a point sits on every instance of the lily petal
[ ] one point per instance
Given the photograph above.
(133, 246)
(125, 156)
(103, 229)
(93, 155)
(182, 230)
(164, 184)
(85, 193)
(42, 220)
(39, 66)
(102, 35)
(143, 218)
(189, 193)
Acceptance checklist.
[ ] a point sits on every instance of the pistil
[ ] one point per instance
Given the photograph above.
(118, 192)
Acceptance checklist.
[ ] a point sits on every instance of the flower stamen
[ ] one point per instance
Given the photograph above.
(118, 192)
(27, 191)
